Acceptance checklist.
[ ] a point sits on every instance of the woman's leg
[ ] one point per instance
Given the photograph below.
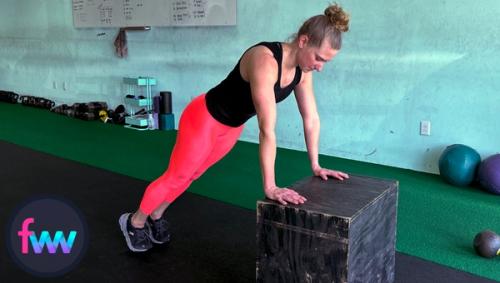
(201, 141)
(224, 143)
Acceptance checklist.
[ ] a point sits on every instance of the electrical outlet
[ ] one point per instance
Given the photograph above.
(64, 86)
(425, 128)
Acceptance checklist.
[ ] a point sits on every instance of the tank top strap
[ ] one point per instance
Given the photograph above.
(277, 51)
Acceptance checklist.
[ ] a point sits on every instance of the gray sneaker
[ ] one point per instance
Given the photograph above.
(137, 238)
(158, 230)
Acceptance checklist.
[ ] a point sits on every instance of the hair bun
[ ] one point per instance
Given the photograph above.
(338, 18)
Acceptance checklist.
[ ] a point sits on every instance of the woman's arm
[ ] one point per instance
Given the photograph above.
(307, 106)
(262, 79)
(261, 70)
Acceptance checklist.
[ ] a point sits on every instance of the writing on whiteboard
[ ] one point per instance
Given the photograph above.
(123, 13)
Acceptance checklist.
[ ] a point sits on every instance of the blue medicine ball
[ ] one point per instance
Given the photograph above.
(458, 164)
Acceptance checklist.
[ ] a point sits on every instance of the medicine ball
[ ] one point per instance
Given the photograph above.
(489, 174)
(458, 164)
(487, 244)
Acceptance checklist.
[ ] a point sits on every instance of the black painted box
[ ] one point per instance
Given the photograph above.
(344, 232)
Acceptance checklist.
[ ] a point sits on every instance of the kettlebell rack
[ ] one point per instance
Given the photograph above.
(139, 101)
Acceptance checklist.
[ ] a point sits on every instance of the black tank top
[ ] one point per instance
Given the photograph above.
(230, 102)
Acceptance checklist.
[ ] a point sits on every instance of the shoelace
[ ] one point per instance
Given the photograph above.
(141, 237)
(160, 226)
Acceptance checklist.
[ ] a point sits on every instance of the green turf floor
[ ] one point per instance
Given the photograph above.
(436, 221)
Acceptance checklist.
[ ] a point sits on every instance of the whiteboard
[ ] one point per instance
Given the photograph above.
(131, 13)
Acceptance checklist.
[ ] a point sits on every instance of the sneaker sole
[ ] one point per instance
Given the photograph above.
(123, 226)
(150, 234)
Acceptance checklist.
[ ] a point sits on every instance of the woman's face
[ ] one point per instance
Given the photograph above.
(312, 58)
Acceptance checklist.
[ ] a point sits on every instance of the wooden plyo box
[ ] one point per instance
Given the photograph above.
(344, 232)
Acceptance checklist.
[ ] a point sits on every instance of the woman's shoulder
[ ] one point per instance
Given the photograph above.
(260, 50)
(258, 61)
(259, 55)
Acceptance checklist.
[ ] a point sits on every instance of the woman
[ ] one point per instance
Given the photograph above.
(211, 124)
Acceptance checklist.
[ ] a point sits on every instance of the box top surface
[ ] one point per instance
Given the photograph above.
(340, 198)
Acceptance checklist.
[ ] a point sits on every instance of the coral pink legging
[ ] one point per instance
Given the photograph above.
(201, 142)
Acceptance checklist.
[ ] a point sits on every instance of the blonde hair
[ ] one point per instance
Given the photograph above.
(330, 25)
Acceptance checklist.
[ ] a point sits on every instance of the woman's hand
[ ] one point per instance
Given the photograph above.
(324, 173)
(284, 195)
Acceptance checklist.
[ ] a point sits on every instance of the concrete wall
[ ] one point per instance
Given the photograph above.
(401, 62)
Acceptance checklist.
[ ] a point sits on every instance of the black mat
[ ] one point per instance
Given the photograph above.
(211, 241)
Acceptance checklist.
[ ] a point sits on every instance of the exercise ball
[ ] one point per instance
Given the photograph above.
(458, 164)
(488, 174)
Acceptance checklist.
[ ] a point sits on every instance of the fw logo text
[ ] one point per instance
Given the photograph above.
(44, 239)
